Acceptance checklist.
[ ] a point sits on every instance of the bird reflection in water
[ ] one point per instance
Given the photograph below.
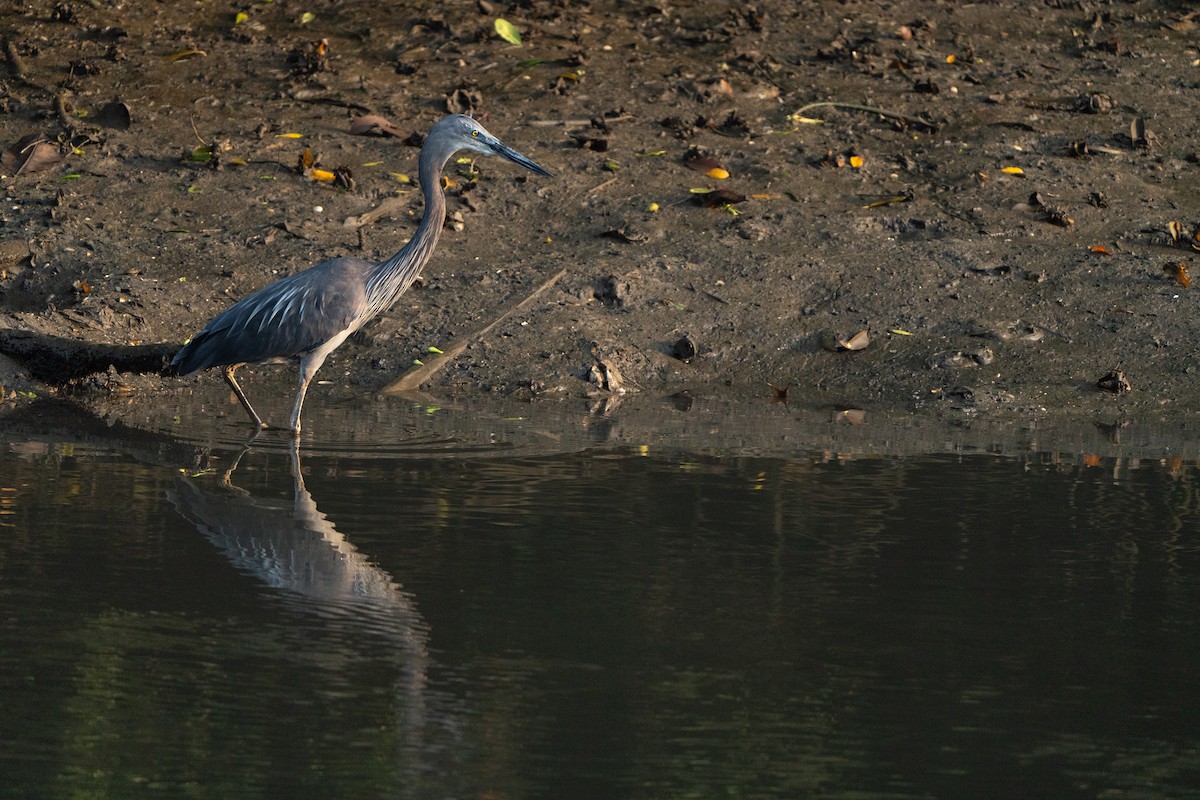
(298, 551)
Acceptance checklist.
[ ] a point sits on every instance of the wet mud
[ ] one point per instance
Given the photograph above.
(967, 210)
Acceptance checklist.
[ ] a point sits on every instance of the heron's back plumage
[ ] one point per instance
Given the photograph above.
(316, 304)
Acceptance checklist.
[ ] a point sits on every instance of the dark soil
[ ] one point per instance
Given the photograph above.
(1032, 238)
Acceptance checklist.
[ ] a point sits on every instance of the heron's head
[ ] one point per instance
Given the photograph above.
(460, 132)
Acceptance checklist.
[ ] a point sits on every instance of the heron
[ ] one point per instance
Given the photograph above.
(306, 316)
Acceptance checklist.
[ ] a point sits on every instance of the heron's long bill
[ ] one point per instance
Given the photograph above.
(512, 155)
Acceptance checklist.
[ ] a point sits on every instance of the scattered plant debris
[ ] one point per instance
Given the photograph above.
(1115, 382)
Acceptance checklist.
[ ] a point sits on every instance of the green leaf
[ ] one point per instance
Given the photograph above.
(508, 32)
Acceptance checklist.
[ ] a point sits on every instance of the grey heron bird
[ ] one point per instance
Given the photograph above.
(306, 316)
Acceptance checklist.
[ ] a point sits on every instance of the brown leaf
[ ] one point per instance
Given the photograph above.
(33, 153)
(373, 125)
(719, 197)
(1138, 133)
(1179, 272)
(1114, 382)
(696, 159)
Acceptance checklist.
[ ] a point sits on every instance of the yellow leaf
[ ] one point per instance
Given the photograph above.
(289, 135)
(372, 163)
(400, 176)
(950, 59)
(307, 17)
(900, 332)
(434, 350)
(652, 207)
(807, 120)
(508, 32)
(1013, 171)
(856, 161)
(717, 173)
(322, 175)
(241, 17)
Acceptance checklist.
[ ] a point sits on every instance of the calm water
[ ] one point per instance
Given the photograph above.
(441, 618)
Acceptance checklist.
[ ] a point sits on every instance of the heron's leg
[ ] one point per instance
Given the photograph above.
(228, 370)
(308, 368)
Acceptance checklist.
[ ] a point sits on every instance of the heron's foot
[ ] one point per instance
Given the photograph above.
(283, 428)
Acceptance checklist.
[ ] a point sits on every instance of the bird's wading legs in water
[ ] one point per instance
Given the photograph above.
(305, 317)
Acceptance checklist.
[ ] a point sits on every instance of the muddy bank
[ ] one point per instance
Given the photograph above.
(1032, 238)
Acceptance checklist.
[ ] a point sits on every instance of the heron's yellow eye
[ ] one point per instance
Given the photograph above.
(475, 133)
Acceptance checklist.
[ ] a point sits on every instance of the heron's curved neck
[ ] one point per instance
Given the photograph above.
(390, 278)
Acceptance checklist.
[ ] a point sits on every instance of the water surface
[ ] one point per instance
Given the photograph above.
(448, 615)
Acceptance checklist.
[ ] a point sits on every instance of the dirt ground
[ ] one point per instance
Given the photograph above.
(1016, 227)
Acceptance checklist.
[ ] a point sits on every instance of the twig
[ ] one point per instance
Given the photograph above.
(389, 206)
(870, 110)
(600, 186)
(413, 379)
(576, 123)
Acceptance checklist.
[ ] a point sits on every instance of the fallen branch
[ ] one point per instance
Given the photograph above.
(412, 380)
(799, 114)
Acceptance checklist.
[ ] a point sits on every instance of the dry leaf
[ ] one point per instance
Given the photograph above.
(1101, 249)
(1012, 170)
(858, 341)
(33, 153)
(373, 124)
(718, 197)
(1179, 272)
(696, 160)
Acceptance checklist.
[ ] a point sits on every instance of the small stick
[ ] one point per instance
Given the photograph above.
(870, 110)
(413, 379)
(576, 123)
(600, 186)
(389, 206)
